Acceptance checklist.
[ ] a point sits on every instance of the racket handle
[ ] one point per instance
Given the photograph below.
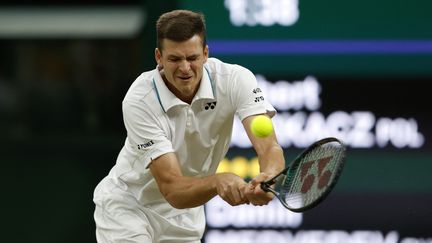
(265, 187)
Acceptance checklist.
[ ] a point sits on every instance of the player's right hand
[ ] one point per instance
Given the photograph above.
(255, 194)
(231, 188)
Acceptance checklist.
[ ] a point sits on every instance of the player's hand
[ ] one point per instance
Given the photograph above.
(231, 188)
(255, 194)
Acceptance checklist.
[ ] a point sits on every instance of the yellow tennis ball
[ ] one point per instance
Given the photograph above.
(261, 126)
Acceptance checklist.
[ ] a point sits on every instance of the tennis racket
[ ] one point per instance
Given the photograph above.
(310, 177)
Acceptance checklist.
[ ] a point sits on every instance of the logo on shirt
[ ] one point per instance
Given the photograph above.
(256, 91)
(210, 105)
(145, 145)
(258, 98)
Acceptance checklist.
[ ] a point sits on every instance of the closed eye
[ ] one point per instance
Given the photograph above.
(174, 59)
(192, 58)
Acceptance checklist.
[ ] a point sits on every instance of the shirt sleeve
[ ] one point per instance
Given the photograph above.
(147, 139)
(247, 97)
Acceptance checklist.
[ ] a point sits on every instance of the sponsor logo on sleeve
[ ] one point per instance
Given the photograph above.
(258, 97)
(145, 145)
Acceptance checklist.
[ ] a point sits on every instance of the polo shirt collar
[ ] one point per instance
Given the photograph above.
(167, 99)
(206, 89)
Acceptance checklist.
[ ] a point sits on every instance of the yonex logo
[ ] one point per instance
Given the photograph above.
(308, 176)
(145, 145)
(257, 90)
(210, 105)
(259, 98)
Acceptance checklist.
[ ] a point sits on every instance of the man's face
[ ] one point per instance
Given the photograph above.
(182, 64)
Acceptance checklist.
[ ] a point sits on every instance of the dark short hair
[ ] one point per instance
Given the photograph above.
(180, 25)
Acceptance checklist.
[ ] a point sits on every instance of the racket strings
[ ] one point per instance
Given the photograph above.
(300, 187)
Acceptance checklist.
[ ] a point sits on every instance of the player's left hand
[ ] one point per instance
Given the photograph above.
(255, 194)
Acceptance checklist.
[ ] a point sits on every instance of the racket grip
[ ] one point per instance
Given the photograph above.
(265, 187)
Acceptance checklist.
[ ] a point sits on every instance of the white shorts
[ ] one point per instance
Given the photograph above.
(120, 218)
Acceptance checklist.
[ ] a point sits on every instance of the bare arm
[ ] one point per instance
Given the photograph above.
(187, 192)
(271, 161)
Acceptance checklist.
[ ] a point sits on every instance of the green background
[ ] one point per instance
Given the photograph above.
(398, 20)
(335, 19)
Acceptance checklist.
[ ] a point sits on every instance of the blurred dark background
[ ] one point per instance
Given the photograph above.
(60, 108)
(65, 67)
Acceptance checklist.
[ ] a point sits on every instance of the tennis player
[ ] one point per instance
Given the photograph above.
(179, 119)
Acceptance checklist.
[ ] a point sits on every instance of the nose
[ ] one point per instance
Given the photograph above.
(185, 66)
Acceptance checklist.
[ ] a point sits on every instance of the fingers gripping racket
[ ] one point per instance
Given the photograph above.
(310, 177)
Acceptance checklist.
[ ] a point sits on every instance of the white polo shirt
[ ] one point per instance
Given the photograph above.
(157, 122)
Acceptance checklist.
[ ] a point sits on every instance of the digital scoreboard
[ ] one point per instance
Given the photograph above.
(323, 38)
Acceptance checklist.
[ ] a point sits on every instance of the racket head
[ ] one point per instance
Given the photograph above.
(311, 176)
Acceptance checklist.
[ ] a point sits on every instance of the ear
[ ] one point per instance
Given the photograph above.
(158, 57)
(206, 53)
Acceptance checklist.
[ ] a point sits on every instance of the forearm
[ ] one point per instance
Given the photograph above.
(270, 153)
(189, 192)
(271, 160)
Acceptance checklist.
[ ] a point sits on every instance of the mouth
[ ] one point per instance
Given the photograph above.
(185, 78)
